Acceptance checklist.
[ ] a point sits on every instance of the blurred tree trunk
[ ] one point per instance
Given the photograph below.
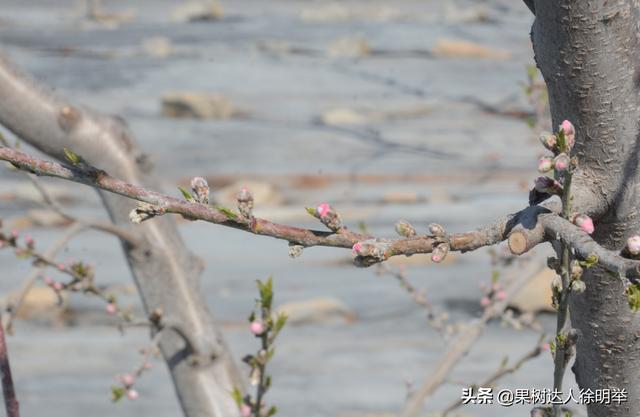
(166, 273)
(589, 54)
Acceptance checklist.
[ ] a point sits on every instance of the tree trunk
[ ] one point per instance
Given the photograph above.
(166, 273)
(589, 54)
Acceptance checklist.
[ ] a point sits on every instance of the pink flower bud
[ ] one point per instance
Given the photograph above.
(501, 295)
(569, 133)
(561, 162)
(14, 234)
(58, 286)
(128, 379)
(111, 309)
(245, 410)
(257, 327)
(28, 240)
(484, 301)
(329, 217)
(48, 280)
(584, 222)
(546, 346)
(132, 394)
(357, 248)
(372, 248)
(545, 164)
(323, 209)
(439, 253)
(496, 286)
(633, 245)
(62, 266)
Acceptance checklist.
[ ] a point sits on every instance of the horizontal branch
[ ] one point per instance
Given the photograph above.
(524, 229)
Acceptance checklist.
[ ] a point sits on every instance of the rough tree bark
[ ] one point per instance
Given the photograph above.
(166, 273)
(589, 54)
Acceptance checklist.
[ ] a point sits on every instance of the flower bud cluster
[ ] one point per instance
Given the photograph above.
(492, 293)
(371, 248)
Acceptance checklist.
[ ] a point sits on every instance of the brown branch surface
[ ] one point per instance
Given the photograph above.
(527, 222)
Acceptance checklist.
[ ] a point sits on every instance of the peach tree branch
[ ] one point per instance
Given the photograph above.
(524, 229)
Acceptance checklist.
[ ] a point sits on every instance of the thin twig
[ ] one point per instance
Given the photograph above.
(8, 390)
(502, 371)
(15, 301)
(463, 343)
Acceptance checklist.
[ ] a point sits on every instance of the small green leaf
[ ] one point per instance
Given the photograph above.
(311, 211)
(117, 393)
(266, 293)
(227, 212)
(187, 196)
(633, 297)
(72, 157)
(272, 411)
(590, 261)
(237, 396)
(281, 320)
(532, 72)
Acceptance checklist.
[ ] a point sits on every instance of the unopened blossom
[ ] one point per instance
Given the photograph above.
(254, 377)
(440, 252)
(633, 245)
(329, 217)
(545, 164)
(257, 327)
(484, 301)
(132, 394)
(576, 270)
(371, 248)
(561, 162)
(569, 133)
(245, 202)
(436, 230)
(501, 295)
(245, 410)
(111, 309)
(48, 280)
(128, 379)
(578, 286)
(58, 286)
(549, 141)
(200, 188)
(405, 229)
(584, 222)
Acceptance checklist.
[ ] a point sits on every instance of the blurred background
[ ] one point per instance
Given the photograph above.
(413, 109)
